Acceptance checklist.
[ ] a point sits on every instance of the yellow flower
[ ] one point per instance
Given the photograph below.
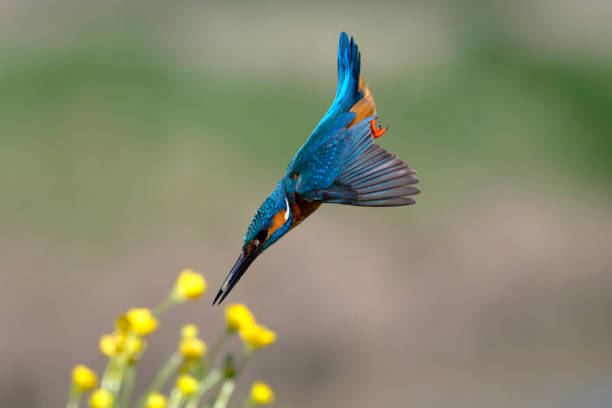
(261, 393)
(189, 331)
(156, 400)
(120, 339)
(238, 317)
(83, 378)
(257, 336)
(101, 399)
(187, 384)
(189, 285)
(192, 348)
(108, 345)
(135, 346)
(141, 321)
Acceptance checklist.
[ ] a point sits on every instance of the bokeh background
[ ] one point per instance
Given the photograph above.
(138, 138)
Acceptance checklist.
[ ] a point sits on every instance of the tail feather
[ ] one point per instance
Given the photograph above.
(349, 68)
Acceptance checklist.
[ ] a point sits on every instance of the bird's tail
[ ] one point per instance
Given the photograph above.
(349, 69)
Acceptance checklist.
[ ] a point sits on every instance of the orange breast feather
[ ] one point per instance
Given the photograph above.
(277, 221)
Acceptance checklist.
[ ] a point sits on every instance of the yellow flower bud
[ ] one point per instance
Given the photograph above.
(238, 316)
(156, 400)
(192, 348)
(83, 378)
(187, 384)
(257, 336)
(189, 331)
(189, 285)
(141, 321)
(122, 325)
(120, 339)
(134, 346)
(261, 393)
(101, 398)
(108, 345)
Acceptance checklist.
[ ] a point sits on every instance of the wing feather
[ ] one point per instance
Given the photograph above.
(370, 175)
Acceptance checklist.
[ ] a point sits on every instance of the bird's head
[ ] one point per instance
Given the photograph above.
(272, 220)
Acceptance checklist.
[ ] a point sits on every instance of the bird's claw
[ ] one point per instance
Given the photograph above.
(377, 131)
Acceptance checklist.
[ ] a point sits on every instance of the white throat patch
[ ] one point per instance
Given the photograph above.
(287, 210)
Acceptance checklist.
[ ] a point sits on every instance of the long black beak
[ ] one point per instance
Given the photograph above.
(242, 264)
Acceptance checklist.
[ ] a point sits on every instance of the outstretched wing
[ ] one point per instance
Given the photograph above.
(353, 103)
(363, 173)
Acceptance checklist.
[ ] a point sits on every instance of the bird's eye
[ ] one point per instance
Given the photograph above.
(261, 237)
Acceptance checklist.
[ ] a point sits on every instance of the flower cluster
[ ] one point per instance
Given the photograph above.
(192, 363)
(255, 336)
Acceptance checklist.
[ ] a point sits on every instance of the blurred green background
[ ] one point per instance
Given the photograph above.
(138, 138)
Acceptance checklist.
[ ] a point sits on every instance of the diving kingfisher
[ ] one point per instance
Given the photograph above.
(339, 163)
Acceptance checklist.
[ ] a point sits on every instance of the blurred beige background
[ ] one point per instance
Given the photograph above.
(138, 138)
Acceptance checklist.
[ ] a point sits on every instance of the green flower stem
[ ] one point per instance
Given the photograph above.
(230, 383)
(247, 352)
(107, 379)
(164, 373)
(200, 370)
(175, 399)
(74, 398)
(217, 347)
(113, 374)
(226, 392)
(127, 387)
(206, 384)
(115, 369)
(165, 305)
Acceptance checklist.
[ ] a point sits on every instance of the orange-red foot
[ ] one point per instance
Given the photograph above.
(377, 131)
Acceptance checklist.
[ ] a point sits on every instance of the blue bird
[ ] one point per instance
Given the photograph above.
(339, 163)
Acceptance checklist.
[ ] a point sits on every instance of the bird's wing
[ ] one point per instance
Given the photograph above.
(353, 103)
(351, 169)
(339, 163)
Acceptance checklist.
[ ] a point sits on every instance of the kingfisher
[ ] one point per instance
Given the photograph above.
(339, 164)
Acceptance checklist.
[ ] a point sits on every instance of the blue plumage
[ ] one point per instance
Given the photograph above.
(349, 69)
(271, 205)
(339, 163)
(338, 115)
